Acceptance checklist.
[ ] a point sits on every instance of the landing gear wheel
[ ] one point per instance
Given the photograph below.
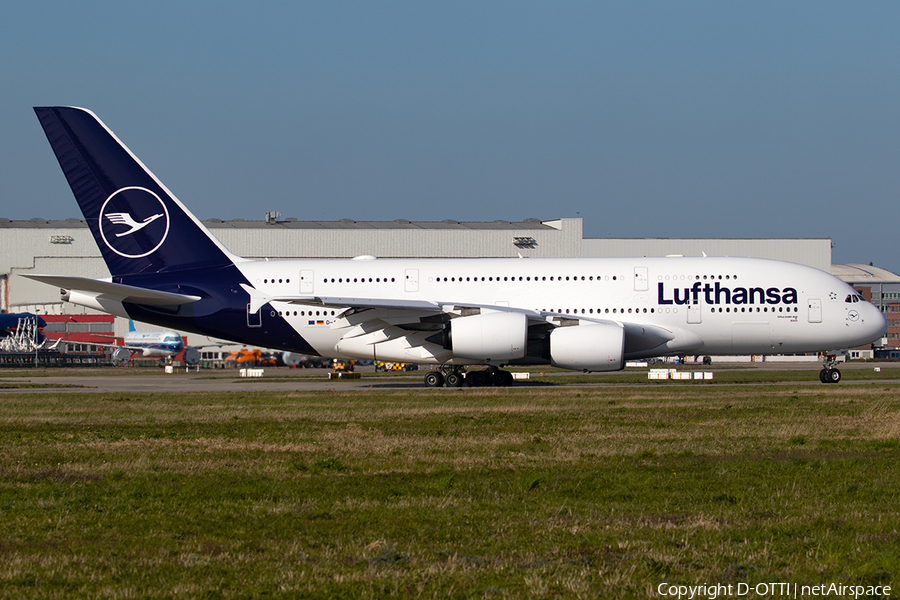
(501, 378)
(434, 379)
(478, 378)
(455, 379)
(829, 374)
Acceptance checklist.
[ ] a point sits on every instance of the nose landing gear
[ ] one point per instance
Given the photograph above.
(829, 374)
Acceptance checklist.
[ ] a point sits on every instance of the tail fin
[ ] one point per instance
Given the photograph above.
(130, 324)
(139, 226)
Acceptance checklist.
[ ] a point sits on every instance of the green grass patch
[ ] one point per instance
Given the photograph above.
(484, 493)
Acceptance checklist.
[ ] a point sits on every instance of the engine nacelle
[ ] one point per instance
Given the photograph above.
(191, 356)
(594, 347)
(291, 359)
(121, 355)
(95, 301)
(491, 337)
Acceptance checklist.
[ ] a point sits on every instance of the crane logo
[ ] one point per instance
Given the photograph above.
(126, 219)
(134, 222)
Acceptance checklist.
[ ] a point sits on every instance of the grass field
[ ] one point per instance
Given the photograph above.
(518, 493)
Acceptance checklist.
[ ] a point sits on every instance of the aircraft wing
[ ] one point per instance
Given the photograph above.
(115, 291)
(258, 299)
(211, 345)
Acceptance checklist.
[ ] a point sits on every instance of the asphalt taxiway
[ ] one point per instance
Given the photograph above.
(107, 380)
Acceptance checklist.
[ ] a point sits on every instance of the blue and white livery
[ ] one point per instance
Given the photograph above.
(588, 314)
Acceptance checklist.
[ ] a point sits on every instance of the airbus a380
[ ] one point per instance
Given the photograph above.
(588, 314)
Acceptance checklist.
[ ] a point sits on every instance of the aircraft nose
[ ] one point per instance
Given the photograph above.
(875, 322)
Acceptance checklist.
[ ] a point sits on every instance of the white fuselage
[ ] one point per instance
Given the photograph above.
(710, 305)
(154, 343)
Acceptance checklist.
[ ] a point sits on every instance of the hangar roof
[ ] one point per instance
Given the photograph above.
(292, 223)
(862, 274)
(42, 224)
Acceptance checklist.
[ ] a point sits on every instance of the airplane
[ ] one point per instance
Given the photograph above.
(155, 344)
(583, 314)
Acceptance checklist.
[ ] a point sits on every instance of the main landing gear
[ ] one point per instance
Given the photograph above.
(455, 377)
(829, 374)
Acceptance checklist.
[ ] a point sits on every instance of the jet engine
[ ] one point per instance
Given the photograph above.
(593, 347)
(121, 355)
(191, 356)
(291, 359)
(492, 337)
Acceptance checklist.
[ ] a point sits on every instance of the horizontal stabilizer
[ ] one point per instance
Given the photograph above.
(115, 291)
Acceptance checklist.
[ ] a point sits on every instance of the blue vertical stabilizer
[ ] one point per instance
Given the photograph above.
(139, 226)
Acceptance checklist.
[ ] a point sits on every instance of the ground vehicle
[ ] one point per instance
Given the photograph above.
(395, 366)
(343, 366)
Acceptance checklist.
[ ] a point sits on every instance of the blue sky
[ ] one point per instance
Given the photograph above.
(646, 119)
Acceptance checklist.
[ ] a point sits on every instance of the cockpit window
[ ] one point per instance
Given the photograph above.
(853, 298)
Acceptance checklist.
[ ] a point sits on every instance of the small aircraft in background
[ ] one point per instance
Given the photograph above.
(155, 344)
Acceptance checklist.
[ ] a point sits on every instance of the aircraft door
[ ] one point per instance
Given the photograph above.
(814, 305)
(254, 319)
(306, 282)
(694, 314)
(412, 280)
(641, 279)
